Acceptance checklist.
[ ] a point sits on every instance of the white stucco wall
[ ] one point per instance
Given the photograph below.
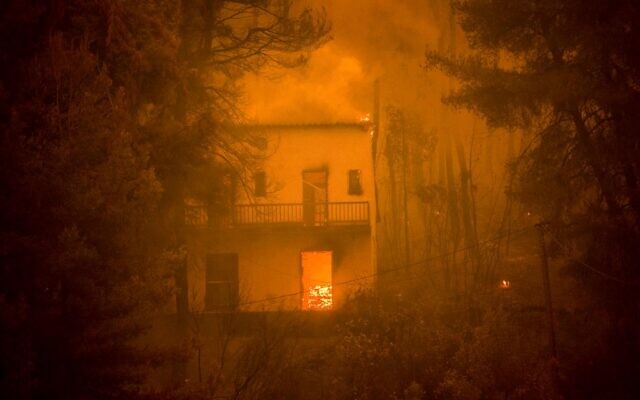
(293, 149)
(269, 262)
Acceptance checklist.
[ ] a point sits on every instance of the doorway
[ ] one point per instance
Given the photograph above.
(314, 197)
(317, 290)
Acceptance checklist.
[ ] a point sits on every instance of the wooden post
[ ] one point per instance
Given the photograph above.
(544, 263)
(405, 155)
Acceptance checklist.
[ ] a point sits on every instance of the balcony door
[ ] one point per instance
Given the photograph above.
(314, 197)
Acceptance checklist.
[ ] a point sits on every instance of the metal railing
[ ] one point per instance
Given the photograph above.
(252, 214)
(295, 214)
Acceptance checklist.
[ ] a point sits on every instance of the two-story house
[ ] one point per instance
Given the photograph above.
(301, 236)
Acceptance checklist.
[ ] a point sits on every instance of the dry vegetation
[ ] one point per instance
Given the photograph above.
(111, 113)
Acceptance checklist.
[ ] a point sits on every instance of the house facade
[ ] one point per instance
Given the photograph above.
(300, 233)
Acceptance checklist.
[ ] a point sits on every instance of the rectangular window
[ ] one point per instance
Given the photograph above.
(355, 186)
(222, 283)
(260, 184)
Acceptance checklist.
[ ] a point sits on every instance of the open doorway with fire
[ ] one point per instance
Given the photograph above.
(316, 280)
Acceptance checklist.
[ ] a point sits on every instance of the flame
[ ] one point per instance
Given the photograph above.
(320, 297)
(366, 118)
(505, 284)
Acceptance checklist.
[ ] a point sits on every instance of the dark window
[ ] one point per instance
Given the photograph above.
(221, 282)
(260, 184)
(355, 186)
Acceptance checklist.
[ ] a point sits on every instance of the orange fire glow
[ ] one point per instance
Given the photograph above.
(320, 297)
(316, 280)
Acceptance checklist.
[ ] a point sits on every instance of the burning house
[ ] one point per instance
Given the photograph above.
(300, 231)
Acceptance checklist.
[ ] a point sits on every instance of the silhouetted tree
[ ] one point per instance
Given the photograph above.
(568, 73)
(107, 110)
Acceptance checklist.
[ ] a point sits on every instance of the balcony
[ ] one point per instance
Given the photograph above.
(286, 215)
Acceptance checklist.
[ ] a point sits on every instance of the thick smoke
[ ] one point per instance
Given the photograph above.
(381, 39)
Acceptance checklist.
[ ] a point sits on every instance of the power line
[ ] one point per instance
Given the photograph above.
(593, 269)
(376, 274)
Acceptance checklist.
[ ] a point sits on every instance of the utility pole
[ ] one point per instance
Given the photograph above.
(544, 264)
(407, 250)
(374, 140)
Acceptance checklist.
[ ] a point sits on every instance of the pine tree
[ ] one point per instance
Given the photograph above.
(567, 72)
(108, 110)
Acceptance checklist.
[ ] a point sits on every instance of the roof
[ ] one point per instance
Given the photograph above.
(364, 126)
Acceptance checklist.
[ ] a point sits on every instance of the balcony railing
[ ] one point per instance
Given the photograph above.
(287, 214)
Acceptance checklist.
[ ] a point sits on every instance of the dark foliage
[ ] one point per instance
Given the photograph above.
(567, 73)
(109, 110)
